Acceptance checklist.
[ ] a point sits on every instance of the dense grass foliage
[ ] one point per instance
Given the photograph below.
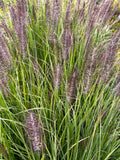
(59, 80)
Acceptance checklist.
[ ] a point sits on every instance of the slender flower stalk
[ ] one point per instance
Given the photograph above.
(34, 132)
(72, 86)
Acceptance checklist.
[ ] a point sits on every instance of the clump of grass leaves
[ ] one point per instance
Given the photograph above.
(59, 80)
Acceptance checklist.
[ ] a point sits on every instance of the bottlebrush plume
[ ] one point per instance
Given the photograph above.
(104, 12)
(4, 82)
(112, 47)
(78, 4)
(56, 10)
(89, 71)
(5, 61)
(91, 6)
(108, 57)
(117, 86)
(47, 12)
(55, 17)
(22, 10)
(4, 51)
(13, 14)
(2, 5)
(68, 13)
(117, 89)
(57, 76)
(104, 8)
(34, 131)
(111, 51)
(67, 36)
(19, 18)
(72, 86)
(113, 11)
(67, 40)
(81, 14)
(92, 10)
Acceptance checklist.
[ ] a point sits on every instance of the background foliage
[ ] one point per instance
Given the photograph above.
(59, 80)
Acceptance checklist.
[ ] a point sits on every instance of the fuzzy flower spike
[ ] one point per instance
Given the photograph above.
(34, 131)
(2, 5)
(5, 61)
(19, 18)
(67, 35)
(56, 10)
(72, 86)
(57, 76)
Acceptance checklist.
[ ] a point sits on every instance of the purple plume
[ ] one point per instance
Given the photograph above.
(19, 18)
(67, 38)
(2, 5)
(89, 71)
(34, 132)
(56, 10)
(68, 13)
(109, 56)
(72, 86)
(5, 61)
(47, 12)
(57, 76)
